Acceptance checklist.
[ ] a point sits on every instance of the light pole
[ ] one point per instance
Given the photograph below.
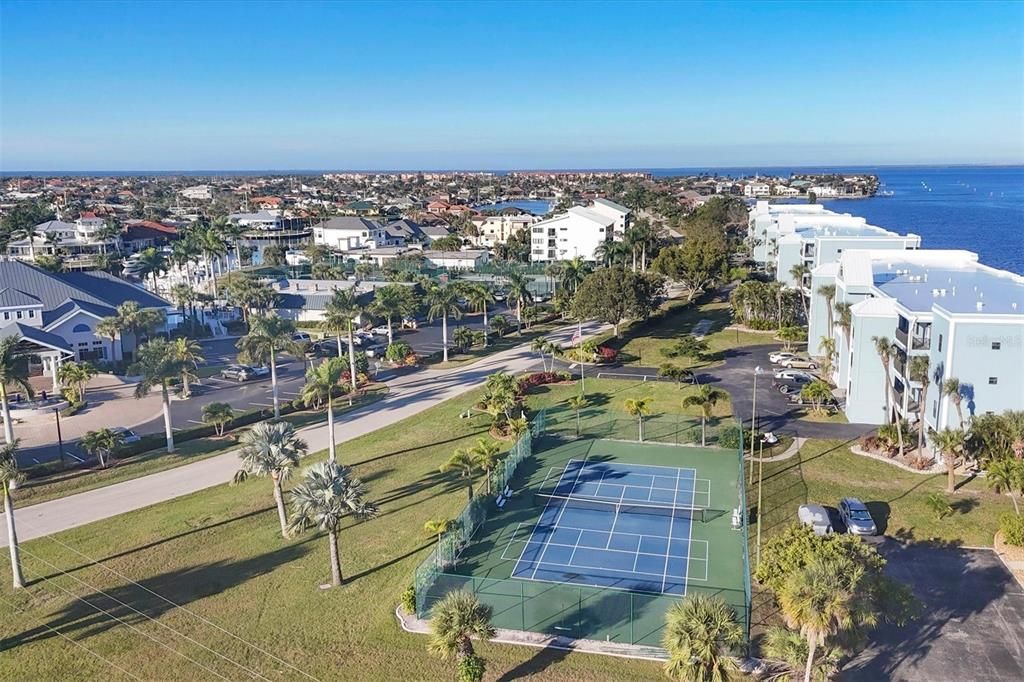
(60, 441)
(760, 484)
(753, 422)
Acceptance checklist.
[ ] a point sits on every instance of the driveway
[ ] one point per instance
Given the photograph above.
(971, 627)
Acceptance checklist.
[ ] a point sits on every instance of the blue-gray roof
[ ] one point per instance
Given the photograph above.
(35, 335)
(10, 298)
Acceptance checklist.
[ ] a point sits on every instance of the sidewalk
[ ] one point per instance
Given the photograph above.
(408, 395)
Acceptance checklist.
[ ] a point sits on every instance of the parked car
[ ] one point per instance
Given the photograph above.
(856, 516)
(500, 296)
(301, 337)
(328, 348)
(374, 350)
(780, 356)
(816, 517)
(238, 373)
(799, 363)
(791, 382)
(380, 330)
(260, 372)
(127, 434)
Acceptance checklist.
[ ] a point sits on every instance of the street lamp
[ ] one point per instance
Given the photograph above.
(753, 422)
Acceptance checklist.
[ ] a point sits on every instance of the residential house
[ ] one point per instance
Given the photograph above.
(497, 229)
(348, 232)
(79, 242)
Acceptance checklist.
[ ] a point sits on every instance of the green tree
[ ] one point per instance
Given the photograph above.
(687, 346)
(701, 635)
(487, 455)
(462, 339)
(828, 292)
(500, 325)
(698, 264)
(268, 336)
(323, 383)
(574, 272)
(918, 369)
(188, 354)
(639, 408)
(817, 393)
(271, 449)
(438, 527)
(704, 399)
(675, 373)
(479, 296)
(787, 651)
(10, 475)
(791, 335)
(952, 389)
(393, 301)
(456, 620)
(273, 255)
(615, 294)
(827, 347)
(443, 301)
(152, 262)
(1006, 475)
(578, 403)
(519, 291)
(218, 415)
(340, 315)
(77, 375)
(466, 465)
(950, 443)
(183, 295)
(102, 444)
(886, 352)
(327, 495)
(938, 505)
(157, 366)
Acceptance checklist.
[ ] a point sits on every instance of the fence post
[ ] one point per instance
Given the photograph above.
(522, 604)
(632, 617)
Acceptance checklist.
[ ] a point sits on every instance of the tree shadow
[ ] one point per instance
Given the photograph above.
(390, 562)
(880, 512)
(965, 505)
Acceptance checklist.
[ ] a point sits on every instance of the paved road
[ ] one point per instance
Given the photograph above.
(408, 395)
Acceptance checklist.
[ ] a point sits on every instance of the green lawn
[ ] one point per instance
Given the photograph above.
(74, 481)
(218, 554)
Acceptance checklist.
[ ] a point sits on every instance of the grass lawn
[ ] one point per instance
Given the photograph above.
(830, 417)
(79, 480)
(495, 344)
(218, 553)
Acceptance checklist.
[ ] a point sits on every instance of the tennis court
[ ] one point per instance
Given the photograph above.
(622, 526)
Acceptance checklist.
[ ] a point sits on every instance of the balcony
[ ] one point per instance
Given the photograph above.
(902, 336)
(921, 343)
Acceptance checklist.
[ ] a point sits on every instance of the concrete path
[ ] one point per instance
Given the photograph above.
(408, 395)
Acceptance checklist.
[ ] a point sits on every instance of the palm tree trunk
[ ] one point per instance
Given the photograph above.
(282, 515)
(485, 324)
(273, 383)
(186, 391)
(469, 488)
(950, 472)
(6, 407)
(352, 363)
(703, 432)
(577, 423)
(444, 343)
(811, 646)
(391, 333)
(332, 539)
(640, 420)
(330, 428)
(12, 540)
(167, 417)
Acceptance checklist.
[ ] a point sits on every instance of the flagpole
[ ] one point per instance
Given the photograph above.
(579, 332)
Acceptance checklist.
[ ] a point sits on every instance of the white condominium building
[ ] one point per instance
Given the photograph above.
(497, 229)
(578, 232)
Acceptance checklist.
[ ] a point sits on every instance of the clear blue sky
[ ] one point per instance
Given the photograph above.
(205, 85)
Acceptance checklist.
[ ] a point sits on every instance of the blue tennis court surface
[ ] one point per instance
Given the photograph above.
(622, 526)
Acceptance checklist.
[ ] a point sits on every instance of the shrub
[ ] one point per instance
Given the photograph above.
(606, 354)
(73, 409)
(920, 463)
(471, 668)
(409, 599)
(527, 382)
(761, 325)
(1012, 528)
(730, 437)
(398, 351)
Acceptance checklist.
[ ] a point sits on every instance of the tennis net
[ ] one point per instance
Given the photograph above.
(619, 506)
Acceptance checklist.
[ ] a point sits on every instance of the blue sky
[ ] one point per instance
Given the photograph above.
(150, 86)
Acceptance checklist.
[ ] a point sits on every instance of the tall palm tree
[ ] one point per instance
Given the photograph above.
(109, 328)
(798, 272)
(540, 345)
(183, 295)
(700, 636)
(455, 621)
(77, 375)
(232, 233)
(212, 246)
(271, 449)
(328, 493)
(488, 455)
(479, 296)
(884, 348)
(157, 366)
(188, 353)
(814, 600)
(1006, 475)
(466, 465)
(574, 272)
(950, 443)
(578, 403)
(519, 291)
(340, 313)
(828, 292)
(844, 320)
(638, 407)
(13, 372)
(184, 253)
(787, 654)
(323, 382)
(9, 475)
(438, 527)
(705, 400)
(390, 302)
(102, 444)
(918, 371)
(268, 336)
(443, 301)
(952, 389)
(29, 232)
(152, 262)
(827, 348)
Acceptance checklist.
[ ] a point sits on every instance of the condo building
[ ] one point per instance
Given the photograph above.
(579, 232)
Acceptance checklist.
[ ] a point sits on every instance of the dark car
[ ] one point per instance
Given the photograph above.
(328, 348)
(791, 382)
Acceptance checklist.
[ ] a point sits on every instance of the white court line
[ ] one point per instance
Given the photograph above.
(561, 511)
(689, 541)
(511, 539)
(671, 522)
(685, 579)
(515, 569)
(618, 551)
(577, 544)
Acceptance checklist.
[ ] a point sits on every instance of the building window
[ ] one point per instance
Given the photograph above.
(7, 315)
(996, 345)
(80, 329)
(940, 343)
(992, 381)
(32, 314)
(18, 314)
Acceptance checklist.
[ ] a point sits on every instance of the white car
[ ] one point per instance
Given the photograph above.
(128, 435)
(793, 375)
(779, 357)
(381, 330)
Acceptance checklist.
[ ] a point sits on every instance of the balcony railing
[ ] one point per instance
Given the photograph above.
(918, 343)
(902, 336)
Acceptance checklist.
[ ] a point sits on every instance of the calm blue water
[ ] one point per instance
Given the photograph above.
(534, 206)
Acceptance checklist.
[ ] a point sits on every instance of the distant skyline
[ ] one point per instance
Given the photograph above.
(498, 86)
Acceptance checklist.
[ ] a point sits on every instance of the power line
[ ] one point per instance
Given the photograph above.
(77, 643)
(99, 563)
(120, 620)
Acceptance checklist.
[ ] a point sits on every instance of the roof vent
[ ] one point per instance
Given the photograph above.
(980, 305)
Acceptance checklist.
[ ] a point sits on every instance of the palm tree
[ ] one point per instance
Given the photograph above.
(787, 651)
(456, 619)
(540, 345)
(183, 295)
(271, 449)
(102, 444)
(466, 465)
(705, 400)
(341, 311)
(212, 245)
(10, 476)
(322, 384)
(500, 325)
(268, 336)
(328, 493)
(443, 302)
(844, 320)
(578, 403)
(574, 272)
(479, 296)
(827, 347)
(218, 415)
(109, 328)
(13, 372)
(886, 352)
(519, 291)
(828, 292)
(950, 443)
(1006, 475)
(152, 262)
(798, 272)
(701, 634)
(918, 371)
(78, 375)
(814, 600)
(487, 455)
(638, 407)
(157, 367)
(390, 302)
(188, 353)
(952, 389)
(438, 527)
(462, 338)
